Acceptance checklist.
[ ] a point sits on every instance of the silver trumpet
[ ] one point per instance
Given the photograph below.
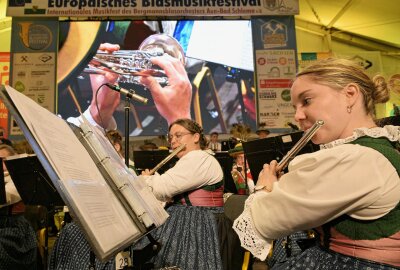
(131, 64)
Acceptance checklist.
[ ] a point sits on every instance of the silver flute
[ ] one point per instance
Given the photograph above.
(167, 158)
(299, 145)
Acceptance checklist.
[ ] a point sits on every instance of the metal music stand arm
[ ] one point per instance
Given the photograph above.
(154, 246)
(126, 110)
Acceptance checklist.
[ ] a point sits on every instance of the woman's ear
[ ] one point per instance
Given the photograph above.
(196, 138)
(117, 147)
(352, 92)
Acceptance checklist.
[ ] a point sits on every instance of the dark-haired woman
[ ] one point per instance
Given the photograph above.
(189, 237)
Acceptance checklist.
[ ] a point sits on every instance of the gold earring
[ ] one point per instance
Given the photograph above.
(349, 109)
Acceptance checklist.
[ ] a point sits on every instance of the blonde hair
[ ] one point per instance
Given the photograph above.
(338, 73)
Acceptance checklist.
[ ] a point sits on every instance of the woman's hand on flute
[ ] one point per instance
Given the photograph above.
(268, 176)
(146, 172)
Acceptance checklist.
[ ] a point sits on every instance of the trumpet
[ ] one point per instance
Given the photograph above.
(131, 64)
(299, 145)
(167, 158)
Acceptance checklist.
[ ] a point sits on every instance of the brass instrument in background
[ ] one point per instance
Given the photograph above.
(131, 64)
(167, 158)
(299, 145)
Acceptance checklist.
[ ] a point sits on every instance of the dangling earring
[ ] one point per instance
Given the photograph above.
(349, 109)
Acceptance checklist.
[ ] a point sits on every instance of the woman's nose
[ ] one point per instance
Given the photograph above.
(173, 141)
(299, 115)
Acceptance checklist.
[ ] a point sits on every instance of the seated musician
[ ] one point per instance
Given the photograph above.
(243, 181)
(115, 138)
(349, 190)
(18, 244)
(189, 237)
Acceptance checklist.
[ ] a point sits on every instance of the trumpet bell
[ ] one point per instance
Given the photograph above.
(164, 44)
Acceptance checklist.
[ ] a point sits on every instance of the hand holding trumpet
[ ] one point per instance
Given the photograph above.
(107, 101)
(172, 101)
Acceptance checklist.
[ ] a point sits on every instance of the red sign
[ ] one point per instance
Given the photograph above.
(275, 83)
(4, 79)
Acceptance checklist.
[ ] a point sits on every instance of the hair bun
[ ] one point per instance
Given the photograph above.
(381, 95)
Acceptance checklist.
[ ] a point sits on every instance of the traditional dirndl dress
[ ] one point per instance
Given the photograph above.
(290, 246)
(189, 239)
(319, 258)
(72, 251)
(18, 245)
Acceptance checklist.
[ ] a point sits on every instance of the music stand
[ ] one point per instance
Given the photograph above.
(227, 145)
(261, 151)
(148, 159)
(35, 188)
(392, 120)
(226, 162)
(32, 182)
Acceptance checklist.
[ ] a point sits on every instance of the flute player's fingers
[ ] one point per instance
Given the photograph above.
(268, 174)
(146, 172)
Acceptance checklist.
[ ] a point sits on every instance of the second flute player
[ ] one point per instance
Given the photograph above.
(189, 237)
(349, 191)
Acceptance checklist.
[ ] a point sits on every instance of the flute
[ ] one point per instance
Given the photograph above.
(299, 145)
(167, 158)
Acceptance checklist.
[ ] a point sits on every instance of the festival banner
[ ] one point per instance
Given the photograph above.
(4, 79)
(151, 8)
(308, 58)
(33, 64)
(275, 58)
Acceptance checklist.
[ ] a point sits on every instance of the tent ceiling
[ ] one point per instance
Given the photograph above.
(377, 20)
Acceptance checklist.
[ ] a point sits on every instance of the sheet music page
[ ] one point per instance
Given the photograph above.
(139, 197)
(92, 200)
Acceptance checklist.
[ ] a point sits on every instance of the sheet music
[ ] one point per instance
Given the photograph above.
(92, 200)
(139, 197)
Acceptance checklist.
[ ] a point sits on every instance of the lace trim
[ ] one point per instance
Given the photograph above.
(249, 239)
(392, 133)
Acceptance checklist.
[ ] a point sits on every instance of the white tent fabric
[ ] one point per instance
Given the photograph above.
(377, 20)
